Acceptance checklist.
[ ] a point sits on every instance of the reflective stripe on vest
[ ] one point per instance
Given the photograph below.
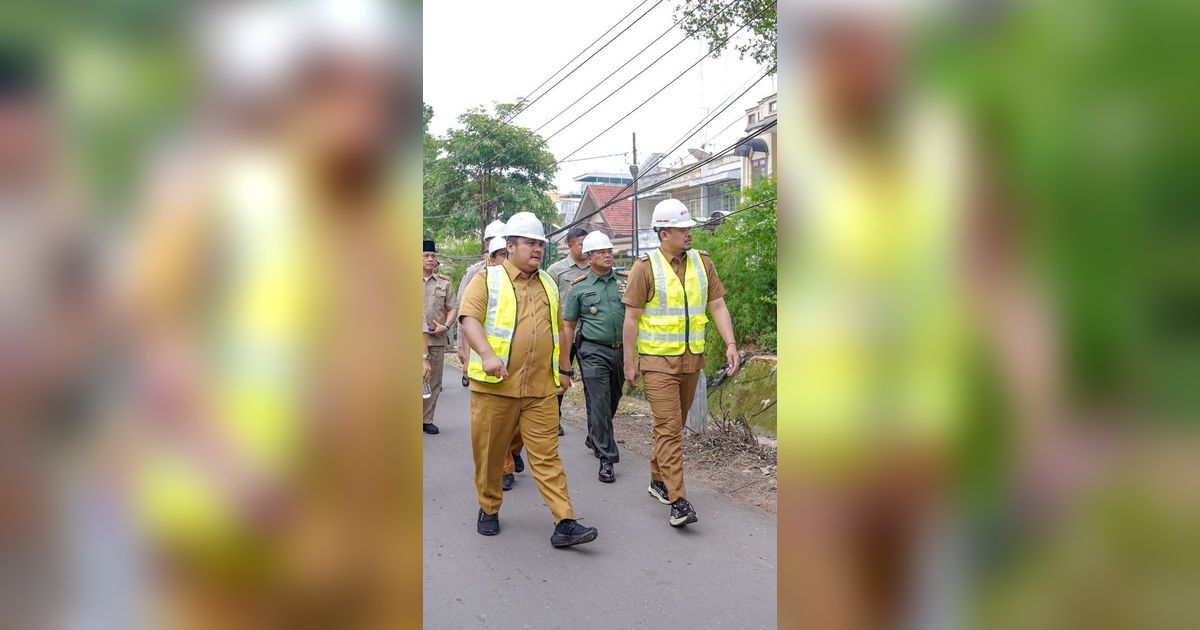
(501, 321)
(674, 319)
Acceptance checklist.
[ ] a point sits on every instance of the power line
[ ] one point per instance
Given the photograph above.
(528, 101)
(598, 50)
(695, 129)
(525, 106)
(639, 106)
(594, 157)
(660, 90)
(630, 79)
(704, 223)
(682, 173)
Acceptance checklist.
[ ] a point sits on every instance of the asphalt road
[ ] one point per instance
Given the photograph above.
(639, 573)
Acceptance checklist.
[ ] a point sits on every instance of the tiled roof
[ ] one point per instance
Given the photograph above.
(619, 216)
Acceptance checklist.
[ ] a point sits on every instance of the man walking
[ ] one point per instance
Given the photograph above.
(440, 309)
(593, 302)
(665, 321)
(563, 272)
(511, 319)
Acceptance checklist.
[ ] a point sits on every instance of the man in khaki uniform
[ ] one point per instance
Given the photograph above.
(516, 392)
(670, 379)
(440, 306)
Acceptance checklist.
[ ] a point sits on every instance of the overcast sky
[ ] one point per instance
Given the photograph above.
(477, 52)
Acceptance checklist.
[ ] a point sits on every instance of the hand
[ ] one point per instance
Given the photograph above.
(427, 368)
(439, 328)
(566, 382)
(732, 358)
(462, 357)
(631, 375)
(493, 366)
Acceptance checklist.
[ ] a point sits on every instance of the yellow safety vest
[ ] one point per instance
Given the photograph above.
(502, 319)
(673, 320)
(877, 323)
(260, 330)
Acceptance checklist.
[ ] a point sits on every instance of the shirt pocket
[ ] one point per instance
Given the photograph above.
(590, 301)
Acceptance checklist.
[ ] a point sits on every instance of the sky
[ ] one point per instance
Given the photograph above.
(477, 52)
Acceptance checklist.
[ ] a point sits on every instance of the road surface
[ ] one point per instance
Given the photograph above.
(639, 573)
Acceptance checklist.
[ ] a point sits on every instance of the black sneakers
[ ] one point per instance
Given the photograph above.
(682, 513)
(520, 463)
(506, 481)
(658, 490)
(569, 532)
(466, 382)
(606, 471)
(430, 428)
(489, 524)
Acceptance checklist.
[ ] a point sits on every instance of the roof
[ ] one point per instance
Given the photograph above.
(618, 216)
(621, 176)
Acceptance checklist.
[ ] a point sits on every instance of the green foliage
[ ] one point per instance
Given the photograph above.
(743, 250)
(1086, 110)
(709, 21)
(483, 170)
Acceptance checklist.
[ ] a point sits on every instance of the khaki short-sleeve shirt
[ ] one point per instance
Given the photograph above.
(438, 300)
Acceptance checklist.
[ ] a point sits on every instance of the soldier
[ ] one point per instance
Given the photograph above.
(511, 319)
(563, 272)
(440, 308)
(594, 302)
(668, 291)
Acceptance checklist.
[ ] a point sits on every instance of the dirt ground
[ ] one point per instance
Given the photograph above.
(716, 459)
(744, 473)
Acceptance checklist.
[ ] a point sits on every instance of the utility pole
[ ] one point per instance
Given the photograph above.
(634, 170)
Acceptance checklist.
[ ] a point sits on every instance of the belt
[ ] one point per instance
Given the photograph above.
(614, 346)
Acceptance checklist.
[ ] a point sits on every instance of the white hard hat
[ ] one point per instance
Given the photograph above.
(596, 240)
(365, 29)
(494, 229)
(496, 244)
(671, 213)
(250, 49)
(525, 224)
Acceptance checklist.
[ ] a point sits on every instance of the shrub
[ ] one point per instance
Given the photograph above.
(743, 250)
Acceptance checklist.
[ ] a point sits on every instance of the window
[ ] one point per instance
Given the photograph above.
(771, 106)
(753, 118)
(758, 168)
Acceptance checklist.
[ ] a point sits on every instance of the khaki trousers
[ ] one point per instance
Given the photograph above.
(437, 360)
(495, 420)
(670, 397)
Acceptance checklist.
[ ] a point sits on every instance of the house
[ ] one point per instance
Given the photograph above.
(758, 153)
(616, 220)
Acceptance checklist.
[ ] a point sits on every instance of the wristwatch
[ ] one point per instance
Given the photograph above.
(425, 357)
(570, 373)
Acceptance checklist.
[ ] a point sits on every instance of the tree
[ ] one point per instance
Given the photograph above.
(484, 170)
(711, 21)
(743, 250)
